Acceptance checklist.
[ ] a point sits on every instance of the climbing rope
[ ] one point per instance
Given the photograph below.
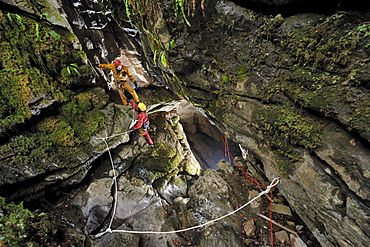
(227, 151)
(115, 184)
(226, 147)
(109, 230)
(112, 136)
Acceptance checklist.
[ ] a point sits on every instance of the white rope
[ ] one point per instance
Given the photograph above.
(120, 134)
(274, 182)
(115, 185)
(104, 138)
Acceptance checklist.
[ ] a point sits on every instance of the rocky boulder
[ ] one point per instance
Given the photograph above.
(291, 93)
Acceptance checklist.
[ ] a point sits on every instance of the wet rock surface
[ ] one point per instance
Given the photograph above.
(212, 194)
(147, 202)
(242, 72)
(264, 81)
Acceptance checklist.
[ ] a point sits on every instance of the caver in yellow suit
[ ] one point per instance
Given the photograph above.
(120, 74)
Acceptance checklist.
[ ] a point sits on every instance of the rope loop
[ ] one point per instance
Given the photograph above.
(273, 183)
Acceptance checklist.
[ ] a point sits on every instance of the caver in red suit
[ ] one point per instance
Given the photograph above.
(142, 121)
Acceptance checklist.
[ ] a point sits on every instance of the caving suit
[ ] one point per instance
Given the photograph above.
(142, 123)
(120, 79)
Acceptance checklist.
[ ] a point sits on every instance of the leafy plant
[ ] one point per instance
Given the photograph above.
(127, 9)
(37, 32)
(162, 57)
(55, 35)
(19, 21)
(179, 6)
(44, 15)
(171, 44)
(21, 227)
(364, 28)
(73, 67)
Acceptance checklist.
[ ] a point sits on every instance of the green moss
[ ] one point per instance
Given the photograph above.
(286, 128)
(57, 139)
(242, 69)
(39, 60)
(322, 46)
(164, 159)
(34, 56)
(327, 93)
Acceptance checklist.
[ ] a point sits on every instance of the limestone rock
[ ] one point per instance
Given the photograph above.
(173, 189)
(297, 242)
(207, 205)
(281, 209)
(225, 167)
(97, 194)
(249, 227)
(117, 239)
(319, 180)
(282, 236)
(133, 197)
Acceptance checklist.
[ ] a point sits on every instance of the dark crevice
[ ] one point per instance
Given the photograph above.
(17, 129)
(345, 128)
(246, 97)
(31, 190)
(197, 88)
(37, 193)
(327, 7)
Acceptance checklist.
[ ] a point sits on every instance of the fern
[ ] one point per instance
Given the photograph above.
(127, 8)
(37, 32)
(163, 59)
(179, 6)
(55, 35)
(73, 67)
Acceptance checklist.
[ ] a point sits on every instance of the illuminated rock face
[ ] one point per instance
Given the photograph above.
(292, 90)
(280, 88)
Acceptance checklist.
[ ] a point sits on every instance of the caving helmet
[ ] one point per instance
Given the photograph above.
(141, 106)
(118, 64)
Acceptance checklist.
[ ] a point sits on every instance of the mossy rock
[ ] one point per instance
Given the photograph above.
(163, 159)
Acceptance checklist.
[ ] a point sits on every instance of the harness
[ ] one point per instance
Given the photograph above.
(145, 122)
(120, 74)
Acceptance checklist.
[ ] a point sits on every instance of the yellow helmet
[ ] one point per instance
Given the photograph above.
(141, 106)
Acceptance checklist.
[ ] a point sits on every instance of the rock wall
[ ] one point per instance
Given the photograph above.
(290, 90)
(293, 91)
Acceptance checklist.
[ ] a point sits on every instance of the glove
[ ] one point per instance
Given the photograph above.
(152, 146)
(96, 65)
(135, 83)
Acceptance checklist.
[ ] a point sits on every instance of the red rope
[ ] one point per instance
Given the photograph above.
(226, 146)
(227, 152)
(271, 233)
